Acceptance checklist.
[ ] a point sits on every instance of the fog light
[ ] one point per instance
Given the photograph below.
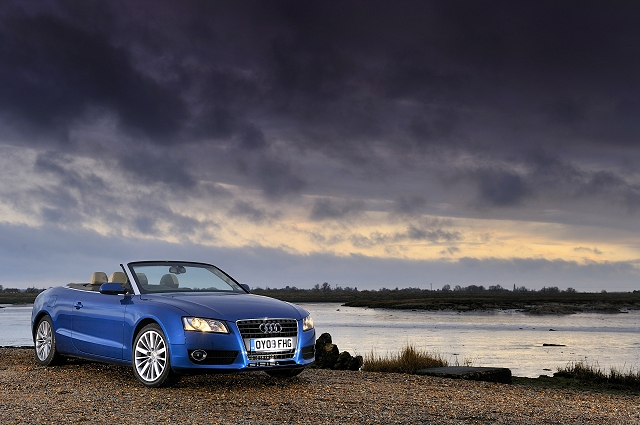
(199, 355)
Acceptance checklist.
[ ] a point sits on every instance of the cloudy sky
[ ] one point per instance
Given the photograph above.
(392, 144)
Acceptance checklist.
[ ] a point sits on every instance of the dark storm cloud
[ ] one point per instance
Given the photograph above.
(252, 138)
(417, 79)
(429, 234)
(249, 211)
(54, 72)
(413, 234)
(73, 194)
(149, 219)
(501, 189)
(55, 164)
(277, 179)
(151, 167)
(327, 209)
(410, 204)
(551, 174)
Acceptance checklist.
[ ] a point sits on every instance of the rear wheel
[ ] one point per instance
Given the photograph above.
(151, 363)
(284, 373)
(45, 342)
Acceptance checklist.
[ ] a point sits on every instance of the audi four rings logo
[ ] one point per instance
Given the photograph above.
(270, 328)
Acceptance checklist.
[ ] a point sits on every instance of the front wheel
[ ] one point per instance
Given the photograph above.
(45, 342)
(151, 363)
(284, 373)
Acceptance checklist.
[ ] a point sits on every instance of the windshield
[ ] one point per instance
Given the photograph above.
(163, 276)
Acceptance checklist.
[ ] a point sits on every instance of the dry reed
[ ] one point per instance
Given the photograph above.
(409, 360)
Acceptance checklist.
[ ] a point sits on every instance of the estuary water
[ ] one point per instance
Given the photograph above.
(501, 338)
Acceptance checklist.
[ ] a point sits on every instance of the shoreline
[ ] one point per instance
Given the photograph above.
(534, 303)
(98, 393)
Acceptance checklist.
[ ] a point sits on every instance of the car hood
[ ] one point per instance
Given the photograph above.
(230, 307)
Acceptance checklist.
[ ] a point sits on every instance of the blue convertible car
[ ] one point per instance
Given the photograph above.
(167, 318)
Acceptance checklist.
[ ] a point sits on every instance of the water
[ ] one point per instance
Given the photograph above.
(15, 323)
(502, 338)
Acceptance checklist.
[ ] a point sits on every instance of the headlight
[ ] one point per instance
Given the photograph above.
(307, 323)
(204, 325)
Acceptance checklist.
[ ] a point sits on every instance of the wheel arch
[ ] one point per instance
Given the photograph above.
(141, 324)
(37, 319)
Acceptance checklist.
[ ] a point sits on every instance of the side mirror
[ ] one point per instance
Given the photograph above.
(112, 288)
(246, 287)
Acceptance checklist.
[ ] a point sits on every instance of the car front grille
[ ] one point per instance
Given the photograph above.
(251, 329)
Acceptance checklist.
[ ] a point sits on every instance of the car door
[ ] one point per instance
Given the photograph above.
(97, 324)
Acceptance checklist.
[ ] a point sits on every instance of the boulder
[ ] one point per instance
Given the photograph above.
(355, 363)
(342, 362)
(321, 350)
(323, 340)
(329, 356)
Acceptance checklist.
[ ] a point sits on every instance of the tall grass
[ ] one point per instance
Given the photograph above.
(409, 360)
(587, 373)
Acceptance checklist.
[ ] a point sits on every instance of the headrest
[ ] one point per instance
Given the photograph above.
(170, 280)
(142, 278)
(118, 277)
(98, 278)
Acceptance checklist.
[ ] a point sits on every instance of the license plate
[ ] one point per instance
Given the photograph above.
(266, 345)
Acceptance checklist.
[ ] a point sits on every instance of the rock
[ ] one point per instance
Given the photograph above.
(489, 374)
(330, 356)
(321, 344)
(323, 340)
(355, 363)
(343, 360)
(347, 362)
(326, 352)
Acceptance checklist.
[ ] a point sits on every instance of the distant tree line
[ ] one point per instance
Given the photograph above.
(30, 290)
(326, 287)
(498, 288)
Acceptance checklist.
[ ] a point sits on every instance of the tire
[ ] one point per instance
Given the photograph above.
(45, 343)
(150, 357)
(284, 373)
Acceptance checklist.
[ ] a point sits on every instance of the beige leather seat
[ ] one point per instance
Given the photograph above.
(98, 278)
(118, 277)
(142, 278)
(169, 280)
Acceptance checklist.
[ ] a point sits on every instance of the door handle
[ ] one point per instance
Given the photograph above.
(78, 305)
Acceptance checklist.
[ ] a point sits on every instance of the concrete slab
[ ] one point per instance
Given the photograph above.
(488, 374)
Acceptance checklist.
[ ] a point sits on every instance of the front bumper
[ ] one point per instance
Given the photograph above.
(227, 352)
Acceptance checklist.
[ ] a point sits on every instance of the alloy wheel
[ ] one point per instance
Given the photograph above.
(150, 355)
(44, 340)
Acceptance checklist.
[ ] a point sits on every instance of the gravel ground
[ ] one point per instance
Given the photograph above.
(82, 391)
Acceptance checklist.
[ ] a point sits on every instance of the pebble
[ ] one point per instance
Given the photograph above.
(86, 392)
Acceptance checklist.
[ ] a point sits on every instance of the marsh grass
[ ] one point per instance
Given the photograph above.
(589, 373)
(409, 360)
